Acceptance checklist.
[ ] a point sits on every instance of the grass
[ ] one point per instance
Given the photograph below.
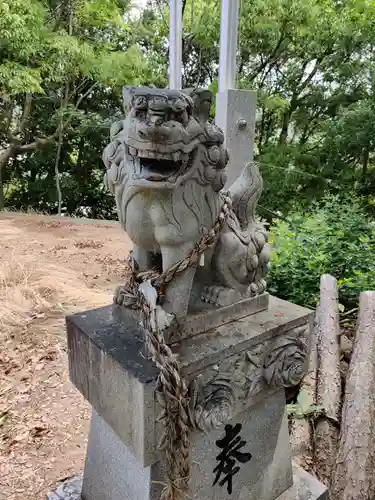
(32, 290)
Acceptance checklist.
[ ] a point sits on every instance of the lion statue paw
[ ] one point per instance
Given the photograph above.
(220, 296)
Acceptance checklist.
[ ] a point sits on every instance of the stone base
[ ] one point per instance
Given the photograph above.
(70, 489)
(305, 487)
(236, 374)
(203, 317)
(109, 365)
(113, 472)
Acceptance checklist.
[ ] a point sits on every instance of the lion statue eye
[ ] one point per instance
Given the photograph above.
(140, 114)
(181, 116)
(178, 105)
(140, 103)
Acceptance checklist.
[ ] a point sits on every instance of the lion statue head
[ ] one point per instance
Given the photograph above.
(165, 140)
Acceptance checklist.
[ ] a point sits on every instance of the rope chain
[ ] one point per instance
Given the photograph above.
(171, 389)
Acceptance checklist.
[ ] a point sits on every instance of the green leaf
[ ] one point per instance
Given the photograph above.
(304, 401)
(291, 409)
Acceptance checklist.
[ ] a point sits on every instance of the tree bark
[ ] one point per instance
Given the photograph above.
(329, 379)
(284, 127)
(2, 205)
(16, 147)
(64, 103)
(57, 175)
(274, 54)
(354, 477)
(6, 155)
(365, 160)
(301, 433)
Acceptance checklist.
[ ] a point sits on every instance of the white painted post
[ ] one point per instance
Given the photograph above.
(228, 44)
(175, 44)
(235, 109)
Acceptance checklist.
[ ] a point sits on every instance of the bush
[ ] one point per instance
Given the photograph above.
(335, 237)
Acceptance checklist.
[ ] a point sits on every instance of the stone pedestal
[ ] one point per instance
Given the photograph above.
(237, 373)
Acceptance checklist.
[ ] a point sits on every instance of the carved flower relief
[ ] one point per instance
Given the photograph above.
(254, 374)
(281, 362)
(214, 402)
(286, 363)
(211, 404)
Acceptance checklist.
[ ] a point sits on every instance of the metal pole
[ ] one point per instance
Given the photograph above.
(228, 44)
(175, 44)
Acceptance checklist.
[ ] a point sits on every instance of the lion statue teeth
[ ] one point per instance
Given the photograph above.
(166, 166)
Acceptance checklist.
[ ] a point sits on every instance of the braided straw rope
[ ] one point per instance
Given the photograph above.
(171, 389)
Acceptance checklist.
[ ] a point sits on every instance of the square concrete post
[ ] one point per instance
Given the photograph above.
(235, 115)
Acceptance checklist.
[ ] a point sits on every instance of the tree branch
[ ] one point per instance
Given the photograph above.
(161, 13)
(6, 155)
(310, 76)
(269, 69)
(8, 115)
(16, 147)
(294, 102)
(63, 104)
(273, 55)
(183, 8)
(25, 114)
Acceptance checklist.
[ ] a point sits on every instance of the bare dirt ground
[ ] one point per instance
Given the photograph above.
(48, 268)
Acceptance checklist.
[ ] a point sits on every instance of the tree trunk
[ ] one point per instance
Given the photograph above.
(267, 129)
(354, 477)
(261, 130)
(57, 175)
(2, 206)
(6, 155)
(284, 128)
(329, 379)
(365, 160)
(64, 103)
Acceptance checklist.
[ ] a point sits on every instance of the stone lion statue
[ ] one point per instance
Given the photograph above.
(166, 166)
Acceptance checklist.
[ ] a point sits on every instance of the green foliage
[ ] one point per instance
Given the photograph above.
(41, 46)
(56, 61)
(311, 62)
(336, 237)
(304, 407)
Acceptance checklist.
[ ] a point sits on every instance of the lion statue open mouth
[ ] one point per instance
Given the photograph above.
(166, 167)
(161, 136)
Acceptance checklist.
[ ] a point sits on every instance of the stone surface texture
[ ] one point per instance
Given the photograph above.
(166, 168)
(305, 487)
(112, 471)
(237, 347)
(203, 317)
(69, 489)
(233, 105)
(236, 374)
(107, 363)
(254, 355)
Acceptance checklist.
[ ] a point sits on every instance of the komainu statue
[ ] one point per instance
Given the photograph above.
(166, 168)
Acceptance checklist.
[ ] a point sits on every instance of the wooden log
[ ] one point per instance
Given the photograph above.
(354, 476)
(329, 379)
(301, 430)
